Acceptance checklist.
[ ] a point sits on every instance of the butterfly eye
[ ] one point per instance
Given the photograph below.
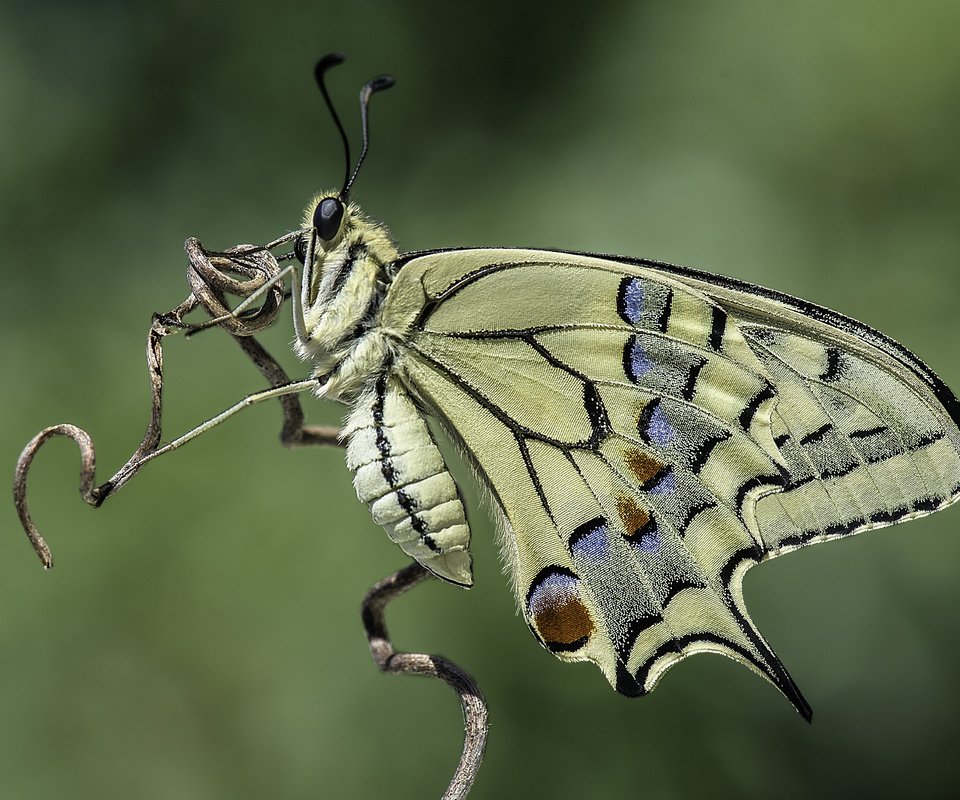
(327, 218)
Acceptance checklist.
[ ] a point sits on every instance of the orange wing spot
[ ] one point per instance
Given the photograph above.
(645, 468)
(634, 516)
(565, 623)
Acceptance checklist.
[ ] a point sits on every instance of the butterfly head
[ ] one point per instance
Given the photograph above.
(331, 226)
(326, 219)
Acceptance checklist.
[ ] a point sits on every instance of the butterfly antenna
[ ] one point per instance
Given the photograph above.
(369, 89)
(325, 63)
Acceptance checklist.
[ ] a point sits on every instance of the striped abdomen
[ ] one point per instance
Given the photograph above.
(400, 473)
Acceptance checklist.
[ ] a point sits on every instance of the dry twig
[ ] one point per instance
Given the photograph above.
(389, 660)
(211, 277)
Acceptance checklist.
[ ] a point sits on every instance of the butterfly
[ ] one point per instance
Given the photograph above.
(646, 432)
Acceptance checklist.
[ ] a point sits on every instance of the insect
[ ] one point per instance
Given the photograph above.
(647, 432)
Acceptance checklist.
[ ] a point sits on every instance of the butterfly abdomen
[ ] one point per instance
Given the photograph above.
(400, 473)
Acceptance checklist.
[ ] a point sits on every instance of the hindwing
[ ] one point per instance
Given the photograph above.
(651, 432)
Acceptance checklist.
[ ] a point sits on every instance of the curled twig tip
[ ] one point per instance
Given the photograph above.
(87, 469)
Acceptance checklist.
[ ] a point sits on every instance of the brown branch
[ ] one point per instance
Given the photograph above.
(389, 660)
(209, 278)
(210, 281)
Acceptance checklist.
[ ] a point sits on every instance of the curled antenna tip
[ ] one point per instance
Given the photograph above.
(381, 82)
(326, 62)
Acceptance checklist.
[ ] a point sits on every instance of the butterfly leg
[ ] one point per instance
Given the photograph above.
(205, 276)
(389, 660)
(208, 281)
(294, 432)
(212, 275)
(251, 399)
(299, 288)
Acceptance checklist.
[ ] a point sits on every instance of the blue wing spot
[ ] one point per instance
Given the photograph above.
(630, 300)
(552, 588)
(589, 544)
(666, 485)
(636, 363)
(648, 543)
(659, 430)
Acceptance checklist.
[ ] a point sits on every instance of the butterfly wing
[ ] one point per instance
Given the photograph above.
(868, 432)
(649, 435)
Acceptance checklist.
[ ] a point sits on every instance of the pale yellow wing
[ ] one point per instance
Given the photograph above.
(649, 436)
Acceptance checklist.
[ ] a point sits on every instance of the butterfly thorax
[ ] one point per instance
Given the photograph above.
(342, 295)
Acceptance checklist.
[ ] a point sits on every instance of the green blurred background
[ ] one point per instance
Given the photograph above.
(199, 636)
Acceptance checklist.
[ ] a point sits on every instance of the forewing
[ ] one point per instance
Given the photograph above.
(649, 436)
